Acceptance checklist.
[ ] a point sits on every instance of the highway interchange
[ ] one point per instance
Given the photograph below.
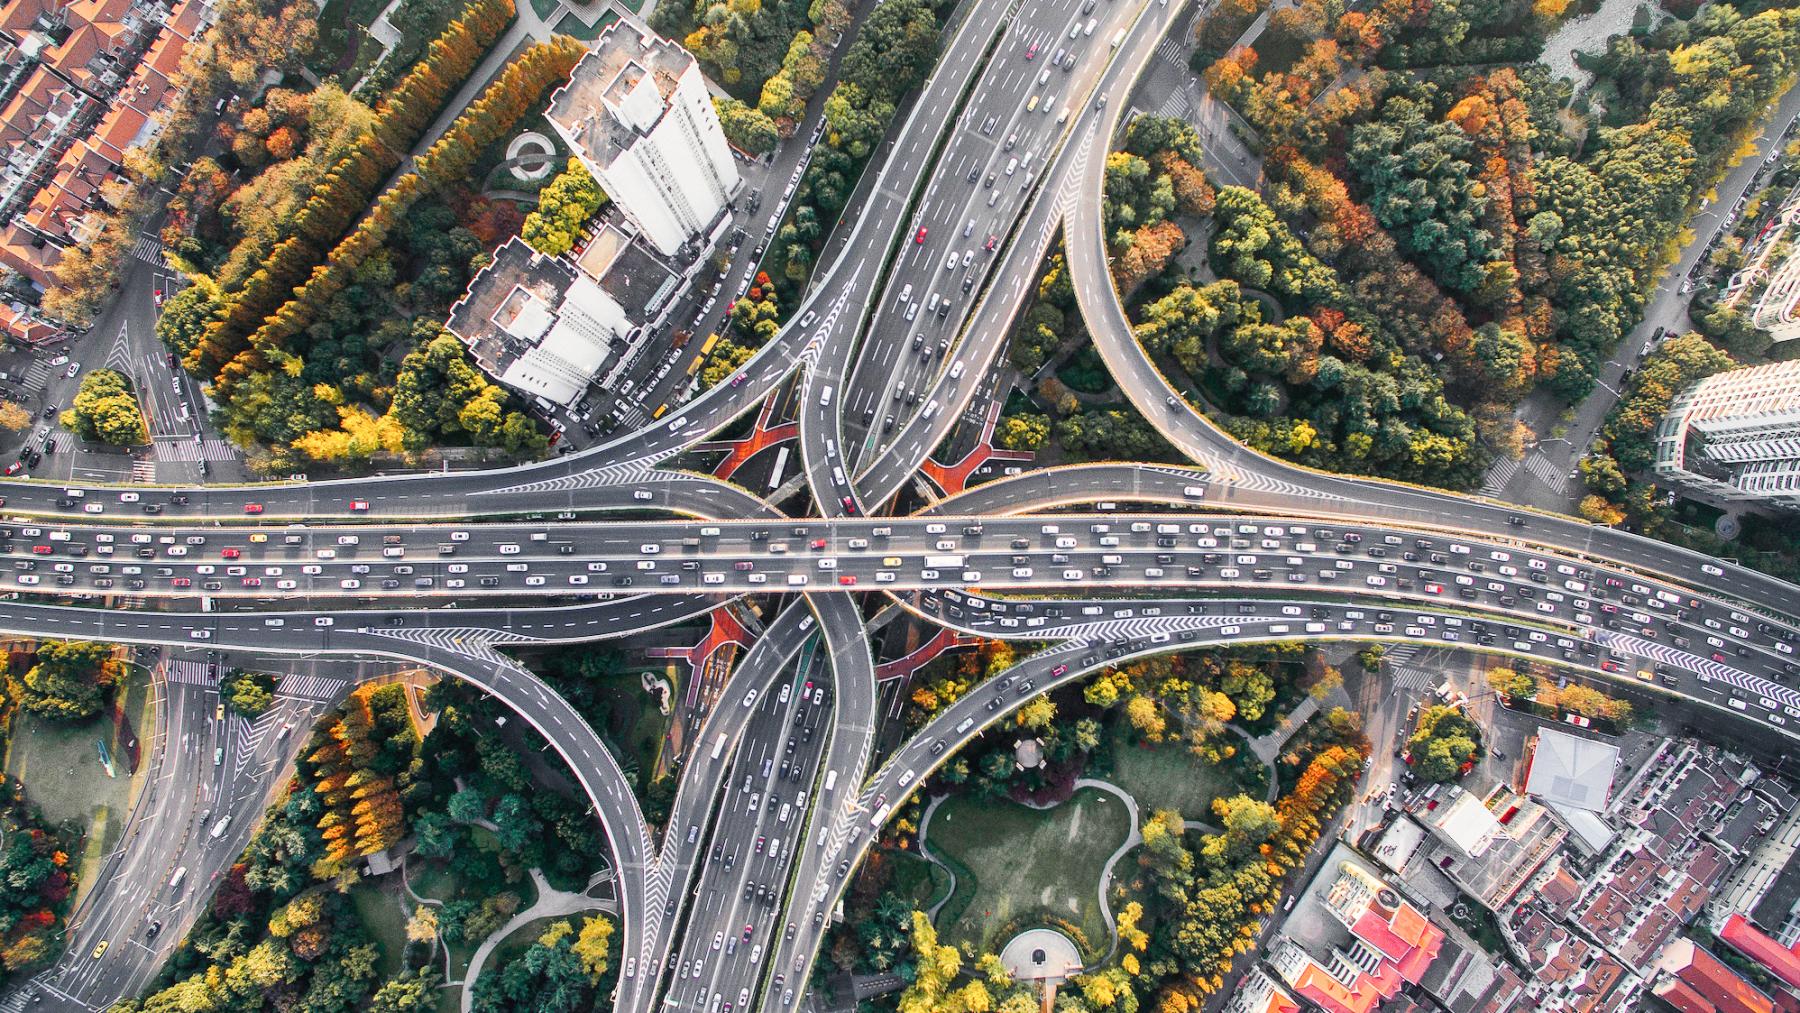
(776, 801)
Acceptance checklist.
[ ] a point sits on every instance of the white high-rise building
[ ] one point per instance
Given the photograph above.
(637, 113)
(1736, 436)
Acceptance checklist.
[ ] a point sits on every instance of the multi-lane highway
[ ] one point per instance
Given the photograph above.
(1006, 141)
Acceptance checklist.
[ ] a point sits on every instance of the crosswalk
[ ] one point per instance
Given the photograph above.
(143, 469)
(1175, 106)
(1499, 475)
(36, 374)
(1400, 655)
(1172, 51)
(310, 687)
(188, 450)
(149, 249)
(1545, 471)
(188, 673)
(1410, 679)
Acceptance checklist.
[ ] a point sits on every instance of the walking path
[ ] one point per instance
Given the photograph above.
(1132, 840)
(551, 903)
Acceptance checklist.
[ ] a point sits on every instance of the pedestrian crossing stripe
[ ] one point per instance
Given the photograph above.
(188, 450)
(1500, 474)
(310, 687)
(149, 249)
(1548, 473)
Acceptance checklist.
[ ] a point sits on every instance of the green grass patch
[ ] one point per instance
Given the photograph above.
(921, 882)
(1026, 860)
(343, 35)
(573, 25)
(1085, 371)
(1167, 776)
(432, 879)
(385, 919)
(545, 8)
(59, 764)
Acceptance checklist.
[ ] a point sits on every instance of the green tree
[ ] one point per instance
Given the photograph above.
(105, 409)
(412, 991)
(746, 127)
(248, 693)
(1442, 742)
(68, 680)
(565, 204)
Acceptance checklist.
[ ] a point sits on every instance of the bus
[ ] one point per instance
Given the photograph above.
(718, 749)
(830, 779)
(706, 349)
(781, 458)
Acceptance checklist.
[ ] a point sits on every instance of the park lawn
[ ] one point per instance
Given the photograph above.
(59, 764)
(352, 16)
(383, 916)
(920, 882)
(574, 26)
(1025, 860)
(1167, 776)
(433, 879)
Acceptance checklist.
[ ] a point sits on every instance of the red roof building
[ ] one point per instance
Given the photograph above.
(1258, 993)
(1780, 961)
(1390, 944)
(1694, 981)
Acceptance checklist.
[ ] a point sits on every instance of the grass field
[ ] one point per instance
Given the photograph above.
(59, 764)
(1022, 860)
(574, 26)
(1167, 776)
(920, 882)
(382, 914)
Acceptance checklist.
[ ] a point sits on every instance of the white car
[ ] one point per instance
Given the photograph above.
(324, 621)
(93, 508)
(578, 578)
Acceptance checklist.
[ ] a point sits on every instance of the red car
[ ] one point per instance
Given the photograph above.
(992, 242)
(15, 467)
(920, 237)
(231, 553)
(252, 581)
(253, 508)
(1031, 51)
(42, 550)
(849, 505)
(1058, 671)
(181, 582)
(847, 580)
(360, 506)
(818, 543)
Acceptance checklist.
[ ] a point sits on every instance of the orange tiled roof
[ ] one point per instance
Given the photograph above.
(185, 19)
(24, 253)
(19, 15)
